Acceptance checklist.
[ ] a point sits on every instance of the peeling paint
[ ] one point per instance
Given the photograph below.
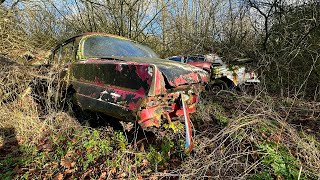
(101, 95)
(119, 67)
(148, 90)
(213, 63)
(142, 72)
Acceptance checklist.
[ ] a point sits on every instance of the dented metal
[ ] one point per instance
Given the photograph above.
(232, 75)
(236, 74)
(131, 85)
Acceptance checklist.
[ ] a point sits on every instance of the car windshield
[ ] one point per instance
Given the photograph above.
(106, 46)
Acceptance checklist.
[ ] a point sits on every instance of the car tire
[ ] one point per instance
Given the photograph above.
(216, 87)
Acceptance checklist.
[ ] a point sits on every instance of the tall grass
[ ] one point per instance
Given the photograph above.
(236, 135)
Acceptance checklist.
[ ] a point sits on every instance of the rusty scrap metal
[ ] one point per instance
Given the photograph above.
(130, 85)
(219, 70)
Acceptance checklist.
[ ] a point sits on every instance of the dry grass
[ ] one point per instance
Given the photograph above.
(18, 108)
(256, 139)
(237, 136)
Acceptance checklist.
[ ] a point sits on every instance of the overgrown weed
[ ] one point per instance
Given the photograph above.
(257, 142)
(236, 136)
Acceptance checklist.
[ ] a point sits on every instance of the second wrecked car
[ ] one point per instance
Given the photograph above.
(222, 75)
(126, 80)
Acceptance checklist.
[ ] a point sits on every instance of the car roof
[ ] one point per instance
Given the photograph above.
(87, 34)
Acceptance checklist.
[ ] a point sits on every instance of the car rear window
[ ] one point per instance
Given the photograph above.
(195, 58)
(105, 46)
(176, 58)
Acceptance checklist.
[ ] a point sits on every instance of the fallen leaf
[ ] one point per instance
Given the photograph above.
(66, 163)
(264, 136)
(59, 177)
(113, 170)
(103, 176)
(86, 174)
(69, 171)
(277, 138)
(51, 165)
(48, 176)
(123, 175)
(153, 177)
(142, 147)
(145, 163)
(70, 154)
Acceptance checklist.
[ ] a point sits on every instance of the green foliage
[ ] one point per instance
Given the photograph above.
(160, 157)
(166, 146)
(169, 149)
(121, 140)
(222, 119)
(265, 175)
(95, 147)
(7, 165)
(29, 152)
(7, 175)
(279, 161)
(176, 126)
(25, 176)
(154, 157)
(219, 114)
(138, 158)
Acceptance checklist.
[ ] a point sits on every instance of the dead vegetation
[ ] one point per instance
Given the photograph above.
(256, 139)
(236, 136)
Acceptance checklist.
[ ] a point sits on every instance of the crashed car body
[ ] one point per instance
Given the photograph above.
(222, 74)
(126, 80)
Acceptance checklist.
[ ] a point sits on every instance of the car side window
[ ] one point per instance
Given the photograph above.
(55, 56)
(67, 53)
(190, 59)
(195, 58)
(64, 54)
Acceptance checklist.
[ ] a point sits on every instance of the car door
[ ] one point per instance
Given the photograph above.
(111, 85)
(60, 65)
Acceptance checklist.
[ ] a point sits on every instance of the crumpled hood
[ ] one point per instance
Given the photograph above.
(175, 73)
(202, 64)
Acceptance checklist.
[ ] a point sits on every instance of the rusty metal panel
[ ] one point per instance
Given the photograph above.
(145, 89)
(112, 87)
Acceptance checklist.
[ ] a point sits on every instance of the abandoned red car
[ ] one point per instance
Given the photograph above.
(126, 80)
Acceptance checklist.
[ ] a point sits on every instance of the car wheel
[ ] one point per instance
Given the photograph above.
(216, 87)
